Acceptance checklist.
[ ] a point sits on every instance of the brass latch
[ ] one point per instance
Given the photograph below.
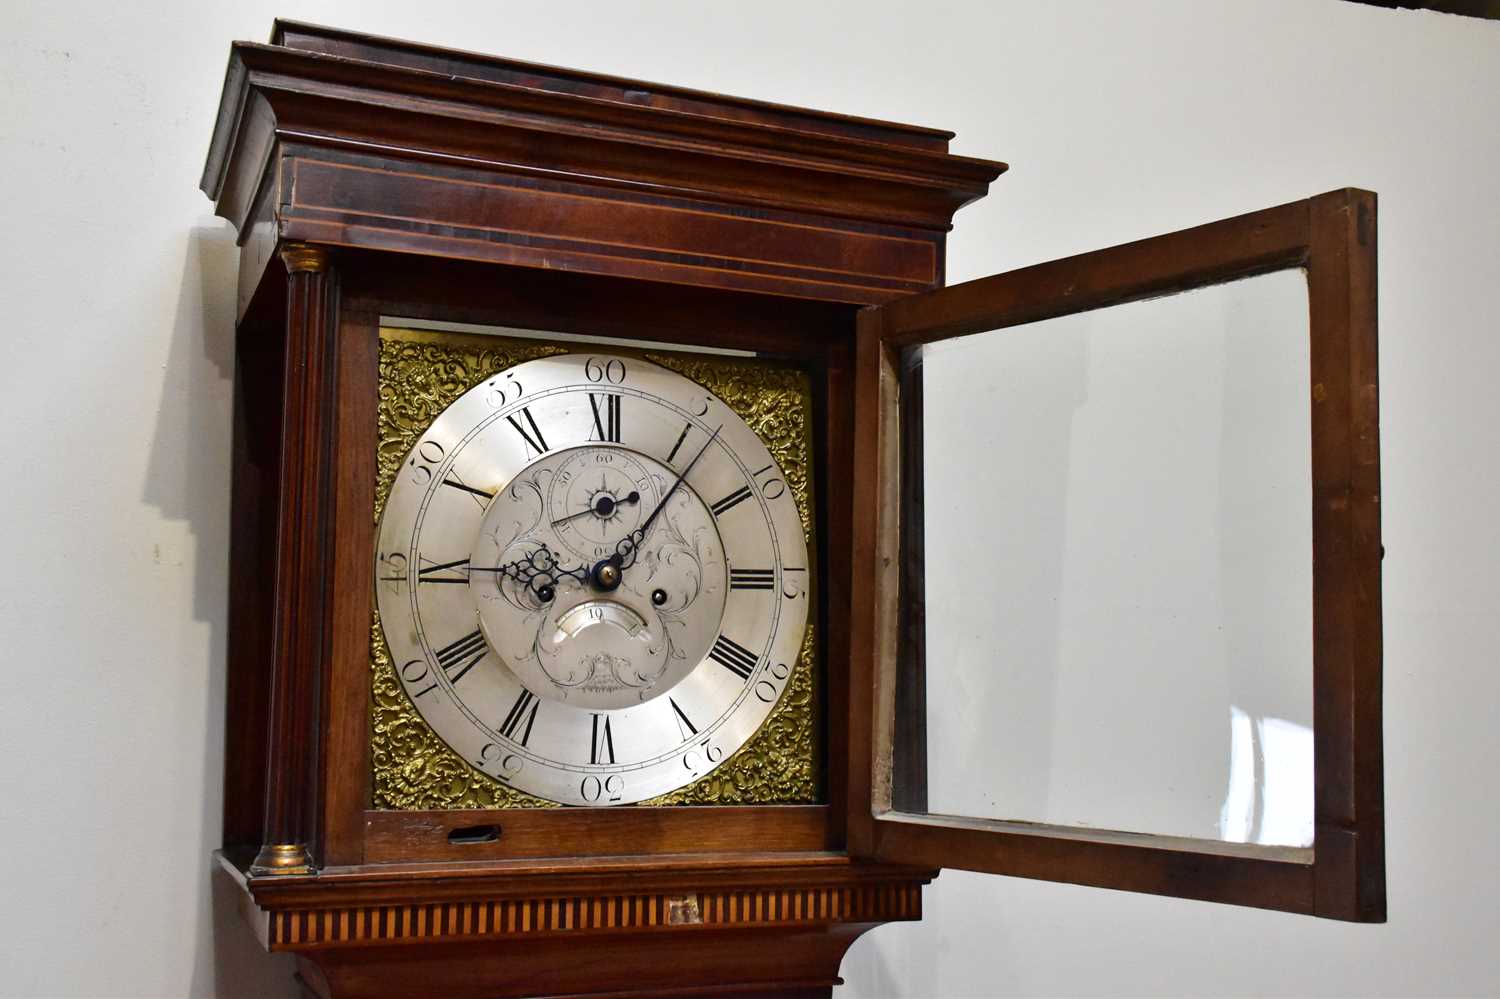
(682, 910)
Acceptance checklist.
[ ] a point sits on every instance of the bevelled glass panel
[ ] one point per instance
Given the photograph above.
(1107, 609)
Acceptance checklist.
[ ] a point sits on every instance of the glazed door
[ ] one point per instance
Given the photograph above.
(1117, 569)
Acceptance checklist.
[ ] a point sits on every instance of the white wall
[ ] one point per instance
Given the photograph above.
(1120, 120)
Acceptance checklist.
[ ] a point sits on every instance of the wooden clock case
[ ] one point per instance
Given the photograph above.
(370, 178)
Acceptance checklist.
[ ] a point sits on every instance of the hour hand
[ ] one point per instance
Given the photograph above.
(538, 572)
(541, 560)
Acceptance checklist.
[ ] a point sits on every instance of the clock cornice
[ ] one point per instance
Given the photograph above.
(320, 132)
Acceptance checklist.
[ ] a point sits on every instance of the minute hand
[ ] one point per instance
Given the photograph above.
(626, 549)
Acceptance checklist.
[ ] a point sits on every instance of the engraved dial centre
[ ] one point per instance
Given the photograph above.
(578, 641)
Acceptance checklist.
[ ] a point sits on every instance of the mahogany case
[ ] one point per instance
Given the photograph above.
(370, 178)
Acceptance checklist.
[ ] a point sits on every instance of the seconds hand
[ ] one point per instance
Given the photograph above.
(601, 508)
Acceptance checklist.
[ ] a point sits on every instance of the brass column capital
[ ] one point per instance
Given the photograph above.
(304, 258)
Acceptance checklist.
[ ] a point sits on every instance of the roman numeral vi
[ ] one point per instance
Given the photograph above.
(602, 746)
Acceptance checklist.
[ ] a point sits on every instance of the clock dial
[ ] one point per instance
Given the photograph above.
(591, 576)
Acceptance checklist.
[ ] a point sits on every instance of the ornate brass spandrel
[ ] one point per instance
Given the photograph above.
(422, 372)
(774, 400)
(414, 770)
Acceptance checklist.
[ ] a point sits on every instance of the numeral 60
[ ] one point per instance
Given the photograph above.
(612, 370)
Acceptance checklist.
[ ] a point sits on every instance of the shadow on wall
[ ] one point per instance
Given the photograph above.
(241, 968)
(872, 977)
(188, 480)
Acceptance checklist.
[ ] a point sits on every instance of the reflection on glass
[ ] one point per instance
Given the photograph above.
(1115, 552)
(1270, 782)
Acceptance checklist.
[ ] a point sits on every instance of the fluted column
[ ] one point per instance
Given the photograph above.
(304, 533)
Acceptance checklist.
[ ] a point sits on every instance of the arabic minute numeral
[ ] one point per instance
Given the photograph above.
(498, 391)
(393, 570)
(492, 755)
(772, 487)
(423, 457)
(765, 689)
(415, 672)
(591, 788)
(692, 761)
(612, 370)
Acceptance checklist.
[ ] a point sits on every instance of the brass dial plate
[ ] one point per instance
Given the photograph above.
(421, 374)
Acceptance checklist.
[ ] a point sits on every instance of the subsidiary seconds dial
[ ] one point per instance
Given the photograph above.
(592, 579)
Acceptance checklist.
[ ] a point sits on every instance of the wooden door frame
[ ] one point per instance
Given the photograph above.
(1342, 875)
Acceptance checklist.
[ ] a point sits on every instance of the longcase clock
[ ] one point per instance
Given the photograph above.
(606, 569)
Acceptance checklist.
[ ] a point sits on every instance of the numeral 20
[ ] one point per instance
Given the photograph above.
(765, 689)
